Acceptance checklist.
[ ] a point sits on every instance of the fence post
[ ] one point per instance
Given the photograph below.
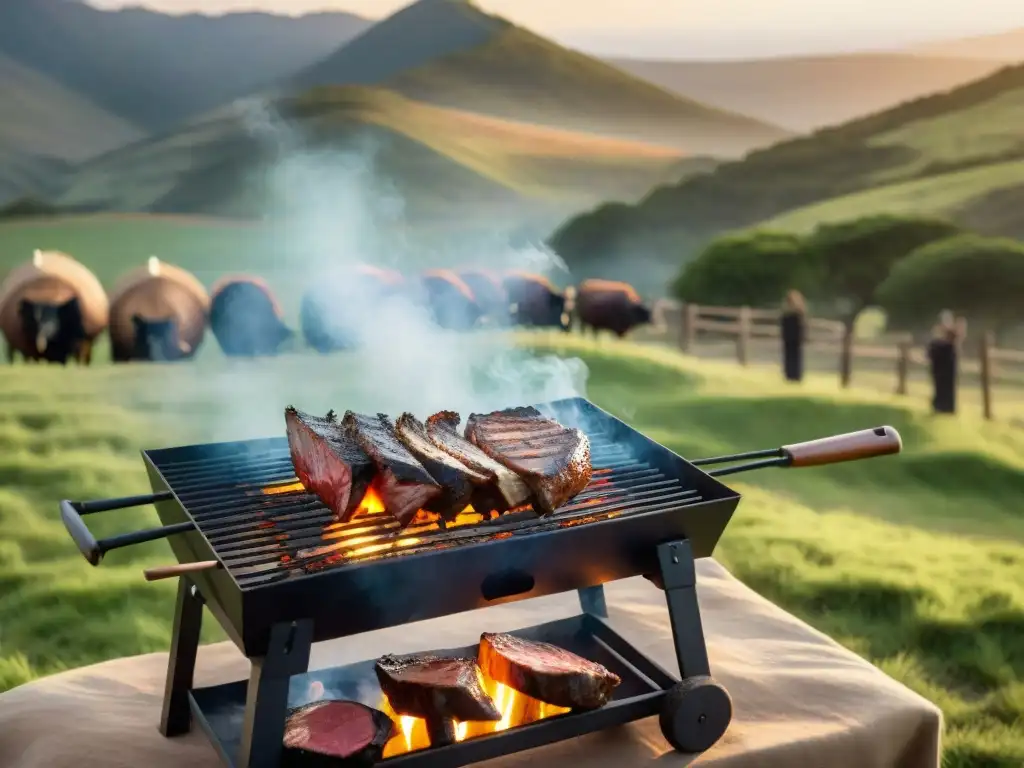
(689, 337)
(987, 343)
(902, 366)
(743, 337)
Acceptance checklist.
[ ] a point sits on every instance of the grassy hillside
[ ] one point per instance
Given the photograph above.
(910, 561)
(155, 69)
(809, 92)
(1003, 46)
(450, 53)
(975, 126)
(371, 145)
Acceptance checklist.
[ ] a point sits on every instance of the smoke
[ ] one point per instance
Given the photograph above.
(336, 206)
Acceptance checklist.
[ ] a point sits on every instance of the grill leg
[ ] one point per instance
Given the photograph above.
(175, 719)
(679, 576)
(266, 703)
(592, 601)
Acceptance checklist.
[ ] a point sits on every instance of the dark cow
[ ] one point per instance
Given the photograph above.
(335, 311)
(245, 318)
(491, 296)
(535, 302)
(451, 302)
(53, 332)
(157, 340)
(611, 306)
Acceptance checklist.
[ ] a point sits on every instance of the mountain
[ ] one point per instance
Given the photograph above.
(809, 92)
(452, 54)
(964, 146)
(338, 147)
(155, 70)
(1006, 47)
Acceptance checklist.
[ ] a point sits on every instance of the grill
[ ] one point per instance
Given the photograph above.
(266, 559)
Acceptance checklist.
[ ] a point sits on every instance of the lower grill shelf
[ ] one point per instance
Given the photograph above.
(220, 709)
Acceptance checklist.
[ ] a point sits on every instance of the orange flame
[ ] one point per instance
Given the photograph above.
(516, 709)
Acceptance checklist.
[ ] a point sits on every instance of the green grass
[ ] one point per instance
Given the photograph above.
(914, 561)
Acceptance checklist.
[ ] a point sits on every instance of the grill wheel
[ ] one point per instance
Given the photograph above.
(695, 714)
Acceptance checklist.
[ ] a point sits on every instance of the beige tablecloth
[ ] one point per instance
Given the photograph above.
(800, 699)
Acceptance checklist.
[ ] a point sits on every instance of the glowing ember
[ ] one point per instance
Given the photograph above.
(516, 709)
(275, 490)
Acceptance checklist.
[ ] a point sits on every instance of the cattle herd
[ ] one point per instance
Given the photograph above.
(54, 308)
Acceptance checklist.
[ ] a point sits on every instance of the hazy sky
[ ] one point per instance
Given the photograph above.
(694, 28)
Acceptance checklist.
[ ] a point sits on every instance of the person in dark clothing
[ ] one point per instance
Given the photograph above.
(794, 312)
(942, 356)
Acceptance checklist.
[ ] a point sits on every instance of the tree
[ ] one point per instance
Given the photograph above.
(592, 236)
(979, 277)
(857, 256)
(751, 268)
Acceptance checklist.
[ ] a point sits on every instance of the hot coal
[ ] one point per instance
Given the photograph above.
(546, 672)
(553, 460)
(336, 733)
(435, 688)
(328, 461)
(456, 480)
(405, 485)
(502, 490)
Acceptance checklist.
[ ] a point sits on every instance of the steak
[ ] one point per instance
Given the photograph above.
(553, 460)
(327, 731)
(435, 688)
(405, 485)
(546, 672)
(456, 480)
(503, 489)
(328, 461)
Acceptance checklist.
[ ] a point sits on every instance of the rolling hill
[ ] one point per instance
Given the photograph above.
(810, 92)
(975, 128)
(155, 70)
(1007, 47)
(371, 147)
(452, 54)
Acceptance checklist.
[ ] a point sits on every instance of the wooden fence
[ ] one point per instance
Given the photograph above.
(697, 327)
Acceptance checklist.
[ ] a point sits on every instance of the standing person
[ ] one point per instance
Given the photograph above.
(792, 330)
(942, 355)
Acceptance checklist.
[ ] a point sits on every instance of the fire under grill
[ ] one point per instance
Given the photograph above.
(269, 562)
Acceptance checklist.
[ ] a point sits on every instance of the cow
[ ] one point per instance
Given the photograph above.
(245, 318)
(452, 304)
(609, 305)
(535, 302)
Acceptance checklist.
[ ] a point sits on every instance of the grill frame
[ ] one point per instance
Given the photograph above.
(349, 599)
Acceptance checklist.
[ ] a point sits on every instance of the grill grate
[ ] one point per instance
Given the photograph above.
(263, 536)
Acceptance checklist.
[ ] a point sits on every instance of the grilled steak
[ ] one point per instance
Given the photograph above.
(328, 461)
(328, 731)
(546, 672)
(405, 485)
(435, 688)
(503, 489)
(456, 480)
(553, 460)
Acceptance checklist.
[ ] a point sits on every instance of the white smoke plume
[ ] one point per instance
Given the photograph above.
(338, 208)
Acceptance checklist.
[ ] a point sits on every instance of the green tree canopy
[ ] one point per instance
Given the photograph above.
(753, 268)
(857, 256)
(979, 277)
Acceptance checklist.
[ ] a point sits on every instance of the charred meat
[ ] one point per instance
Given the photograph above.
(456, 480)
(546, 672)
(327, 732)
(328, 461)
(553, 460)
(502, 489)
(405, 485)
(435, 688)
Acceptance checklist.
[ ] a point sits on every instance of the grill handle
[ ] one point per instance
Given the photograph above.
(852, 446)
(71, 513)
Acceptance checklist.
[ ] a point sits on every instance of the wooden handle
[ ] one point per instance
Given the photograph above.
(866, 444)
(171, 571)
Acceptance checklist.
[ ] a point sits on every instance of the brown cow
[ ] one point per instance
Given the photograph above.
(534, 301)
(451, 302)
(610, 305)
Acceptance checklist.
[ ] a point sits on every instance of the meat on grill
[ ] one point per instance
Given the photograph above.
(327, 731)
(456, 480)
(553, 460)
(502, 490)
(435, 688)
(328, 461)
(405, 485)
(546, 672)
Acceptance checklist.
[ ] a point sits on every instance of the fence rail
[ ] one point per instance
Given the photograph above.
(748, 328)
